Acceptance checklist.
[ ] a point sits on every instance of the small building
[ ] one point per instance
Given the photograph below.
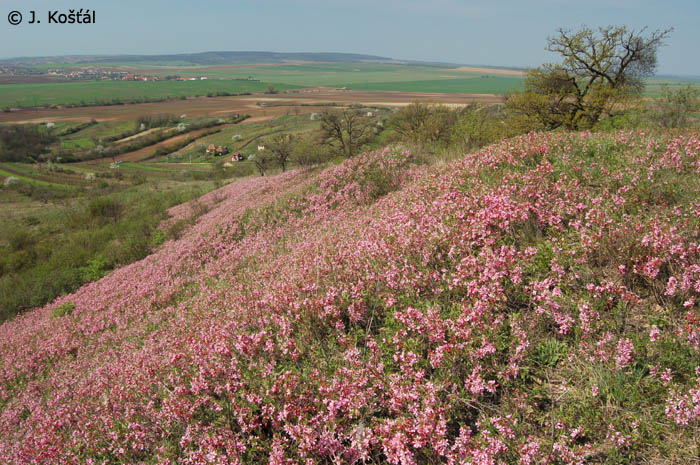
(221, 150)
(237, 156)
(211, 148)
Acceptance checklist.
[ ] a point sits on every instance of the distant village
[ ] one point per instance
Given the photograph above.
(94, 74)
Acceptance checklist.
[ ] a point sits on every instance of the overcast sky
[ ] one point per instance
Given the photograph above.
(494, 32)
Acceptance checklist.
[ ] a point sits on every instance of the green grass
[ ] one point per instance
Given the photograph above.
(290, 124)
(30, 180)
(338, 75)
(48, 249)
(90, 92)
(165, 170)
(103, 129)
(86, 138)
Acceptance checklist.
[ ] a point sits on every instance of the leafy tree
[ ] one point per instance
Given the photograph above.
(310, 151)
(422, 123)
(600, 71)
(346, 130)
(479, 125)
(24, 143)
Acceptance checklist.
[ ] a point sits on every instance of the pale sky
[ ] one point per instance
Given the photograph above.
(495, 32)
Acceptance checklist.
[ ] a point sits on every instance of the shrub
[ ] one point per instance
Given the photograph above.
(105, 209)
(24, 143)
(675, 106)
(63, 310)
(95, 269)
(20, 239)
(477, 126)
(420, 123)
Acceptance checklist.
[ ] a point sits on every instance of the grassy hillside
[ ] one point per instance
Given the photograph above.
(535, 303)
(91, 225)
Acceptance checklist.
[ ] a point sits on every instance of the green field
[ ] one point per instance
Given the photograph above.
(222, 80)
(232, 80)
(332, 75)
(90, 92)
(654, 85)
(30, 180)
(86, 138)
(476, 85)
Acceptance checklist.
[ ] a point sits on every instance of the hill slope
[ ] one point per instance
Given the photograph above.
(534, 302)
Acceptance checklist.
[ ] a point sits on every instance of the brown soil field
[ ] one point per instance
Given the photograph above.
(217, 106)
(495, 71)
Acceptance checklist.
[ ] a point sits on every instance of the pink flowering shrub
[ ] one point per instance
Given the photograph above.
(528, 303)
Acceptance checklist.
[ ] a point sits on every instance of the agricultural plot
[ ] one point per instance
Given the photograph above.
(225, 80)
(114, 92)
(237, 79)
(474, 85)
(87, 137)
(23, 173)
(332, 75)
(373, 76)
(654, 85)
(241, 138)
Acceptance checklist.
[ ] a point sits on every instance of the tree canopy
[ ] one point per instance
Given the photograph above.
(600, 70)
(345, 130)
(25, 143)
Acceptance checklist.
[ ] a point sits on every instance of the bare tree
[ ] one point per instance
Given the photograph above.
(346, 130)
(262, 161)
(281, 148)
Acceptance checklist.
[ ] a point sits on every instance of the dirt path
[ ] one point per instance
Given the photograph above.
(136, 136)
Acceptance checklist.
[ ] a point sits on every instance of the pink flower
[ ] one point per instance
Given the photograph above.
(671, 286)
(623, 354)
(654, 334)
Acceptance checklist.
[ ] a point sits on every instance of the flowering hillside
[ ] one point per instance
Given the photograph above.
(536, 302)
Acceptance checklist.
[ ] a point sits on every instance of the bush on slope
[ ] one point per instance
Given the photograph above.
(534, 302)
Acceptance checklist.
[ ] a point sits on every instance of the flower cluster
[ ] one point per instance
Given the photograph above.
(383, 311)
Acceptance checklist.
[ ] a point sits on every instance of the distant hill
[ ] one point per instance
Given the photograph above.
(208, 58)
